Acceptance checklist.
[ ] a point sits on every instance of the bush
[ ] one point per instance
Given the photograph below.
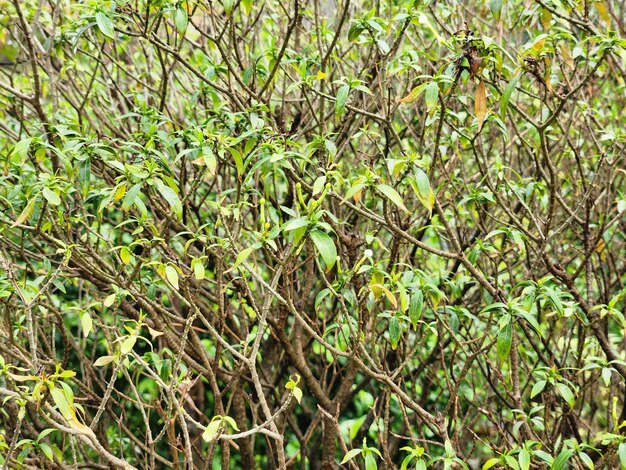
(312, 234)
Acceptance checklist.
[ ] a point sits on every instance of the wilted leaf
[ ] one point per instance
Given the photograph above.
(480, 104)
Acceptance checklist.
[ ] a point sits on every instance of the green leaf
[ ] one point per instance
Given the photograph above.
(241, 257)
(496, 7)
(172, 199)
(431, 95)
(370, 462)
(84, 177)
(52, 197)
(231, 422)
(341, 99)
(392, 195)
(105, 25)
(318, 185)
(180, 19)
(589, 462)
(109, 300)
(60, 400)
(621, 452)
(47, 450)
(325, 246)
(423, 190)
(504, 342)
(506, 96)
(21, 148)
(350, 455)
(524, 459)
(395, 332)
(538, 388)
(296, 223)
(125, 255)
(561, 459)
(355, 31)
(566, 393)
(45, 433)
(490, 463)
(131, 195)
(415, 307)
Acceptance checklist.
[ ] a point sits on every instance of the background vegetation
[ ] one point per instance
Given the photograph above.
(312, 234)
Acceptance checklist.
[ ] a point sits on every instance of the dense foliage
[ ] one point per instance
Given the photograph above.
(312, 234)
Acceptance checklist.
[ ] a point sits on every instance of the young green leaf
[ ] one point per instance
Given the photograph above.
(350, 455)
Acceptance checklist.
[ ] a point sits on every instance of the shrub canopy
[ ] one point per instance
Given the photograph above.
(312, 234)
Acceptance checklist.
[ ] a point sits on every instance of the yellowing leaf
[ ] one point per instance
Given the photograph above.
(602, 11)
(154, 333)
(567, 56)
(480, 104)
(321, 75)
(128, 344)
(171, 274)
(413, 95)
(125, 255)
(120, 191)
(86, 323)
(26, 213)
(103, 361)
(376, 285)
(212, 429)
(390, 297)
(109, 300)
(546, 18)
(198, 270)
(297, 393)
